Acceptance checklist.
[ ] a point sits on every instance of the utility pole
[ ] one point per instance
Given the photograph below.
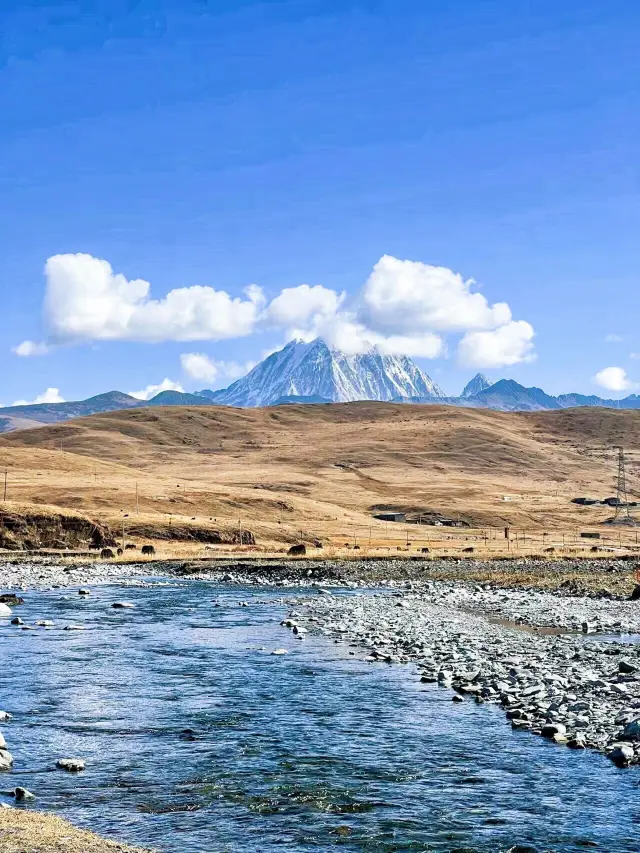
(622, 514)
(5, 485)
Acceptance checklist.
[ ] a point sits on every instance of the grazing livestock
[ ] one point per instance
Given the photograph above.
(119, 552)
(424, 550)
(297, 550)
(469, 550)
(106, 554)
(130, 547)
(148, 550)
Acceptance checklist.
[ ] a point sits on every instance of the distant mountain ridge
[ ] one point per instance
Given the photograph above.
(314, 373)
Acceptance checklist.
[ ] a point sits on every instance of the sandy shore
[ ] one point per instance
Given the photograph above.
(35, 832)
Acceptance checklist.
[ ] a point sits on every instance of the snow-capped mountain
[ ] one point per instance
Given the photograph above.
(315, 370)
(475, 386)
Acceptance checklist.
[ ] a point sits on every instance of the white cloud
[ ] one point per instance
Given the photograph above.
(412, 296)
(85, 300)
(614, 379)
(405, 307)
(613, 339)
(634, 355)
(345, 333)
(199, 366)
(506, 345)
(303, 305)
(51, 395)
(29, 348)
(151, 390)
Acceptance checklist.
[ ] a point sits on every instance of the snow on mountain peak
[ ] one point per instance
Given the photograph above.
(313, 369)
(478, 384)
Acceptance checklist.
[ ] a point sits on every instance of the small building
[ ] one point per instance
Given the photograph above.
(391, 516)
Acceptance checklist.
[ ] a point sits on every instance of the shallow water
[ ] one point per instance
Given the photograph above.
(307, 751)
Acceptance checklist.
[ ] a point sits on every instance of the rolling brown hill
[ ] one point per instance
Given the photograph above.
(310, 472)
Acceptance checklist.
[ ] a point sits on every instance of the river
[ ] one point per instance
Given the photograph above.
(198, 740)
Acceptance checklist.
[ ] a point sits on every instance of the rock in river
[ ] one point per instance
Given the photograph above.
(622, 755)
(22, 794)
(72, 765)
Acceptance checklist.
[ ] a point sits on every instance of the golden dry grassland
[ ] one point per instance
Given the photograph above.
(24, 831)
(305, 473)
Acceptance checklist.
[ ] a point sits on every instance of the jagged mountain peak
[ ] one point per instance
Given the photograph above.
(315, 369)
(476, 385)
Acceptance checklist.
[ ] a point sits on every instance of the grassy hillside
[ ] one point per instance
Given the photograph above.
(317, 471)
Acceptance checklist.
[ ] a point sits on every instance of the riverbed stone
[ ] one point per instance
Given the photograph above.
(22, 794)
(622, 755)
(632, 730)
(71, 765)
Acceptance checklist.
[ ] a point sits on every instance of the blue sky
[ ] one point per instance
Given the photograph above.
(217, 145)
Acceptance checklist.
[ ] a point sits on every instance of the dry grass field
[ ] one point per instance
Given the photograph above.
(305, 473)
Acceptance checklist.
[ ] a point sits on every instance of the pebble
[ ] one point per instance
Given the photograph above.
(123, 605)
(5, 611)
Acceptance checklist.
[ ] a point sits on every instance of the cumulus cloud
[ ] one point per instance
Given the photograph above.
(411, 296)
(614, 379)
(199, 366)
(405, 307)
(303, 305)
(613, 339)
(51, 395)
(346, 333)
(85, 300)
(29, 348)
(151, 390)
(506, 345)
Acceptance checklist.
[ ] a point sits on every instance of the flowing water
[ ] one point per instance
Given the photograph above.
(198, 740)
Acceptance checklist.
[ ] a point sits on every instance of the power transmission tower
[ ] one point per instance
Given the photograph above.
(622, 514)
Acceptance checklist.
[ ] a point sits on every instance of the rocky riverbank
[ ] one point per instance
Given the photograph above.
(601, 578)
(573, 690)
